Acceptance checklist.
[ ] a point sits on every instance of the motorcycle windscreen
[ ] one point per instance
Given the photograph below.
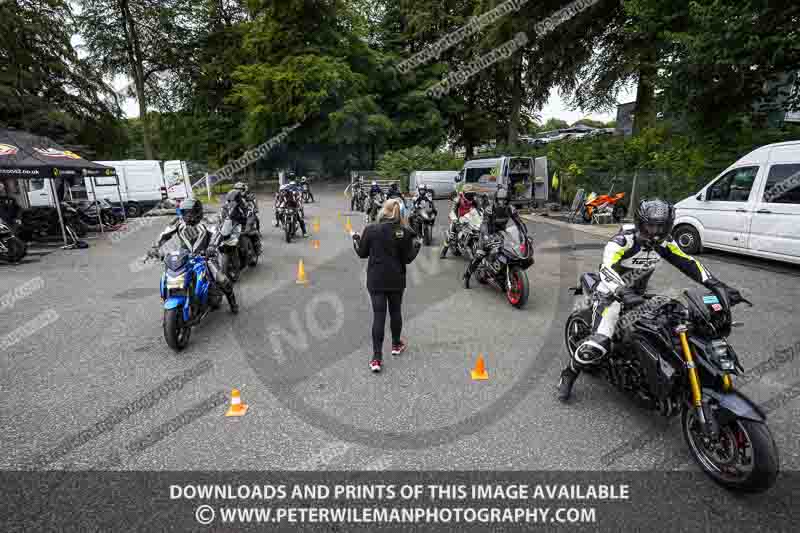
(512, 239)
(473, 218)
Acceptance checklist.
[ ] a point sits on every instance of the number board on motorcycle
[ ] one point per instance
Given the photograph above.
(710, 300)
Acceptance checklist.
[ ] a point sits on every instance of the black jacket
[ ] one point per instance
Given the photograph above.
(390, 246)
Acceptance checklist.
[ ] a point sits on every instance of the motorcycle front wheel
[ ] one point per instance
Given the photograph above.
(16, 250)
(743, 457)
(427, 234)
(517, 294)
(175, 333)
(289, 231)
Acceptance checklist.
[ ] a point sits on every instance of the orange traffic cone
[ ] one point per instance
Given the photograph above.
(348, 227)
(315, 243)
(237, 407)
(479, 372)
(301, 274)
(316, 225)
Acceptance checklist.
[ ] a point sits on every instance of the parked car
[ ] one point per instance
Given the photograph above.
(753, 207)
(442, 182)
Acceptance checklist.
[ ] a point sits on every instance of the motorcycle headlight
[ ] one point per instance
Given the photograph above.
(721, 356)
(176, 282)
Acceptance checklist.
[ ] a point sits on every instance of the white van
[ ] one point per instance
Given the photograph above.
(515, 173)
(176, 179)
(753, 207)
(442, 182)
(141, 182)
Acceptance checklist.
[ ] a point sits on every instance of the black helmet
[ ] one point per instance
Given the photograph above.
(192, 210)
(654, 220)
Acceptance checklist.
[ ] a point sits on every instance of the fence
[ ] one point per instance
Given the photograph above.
(649, 184)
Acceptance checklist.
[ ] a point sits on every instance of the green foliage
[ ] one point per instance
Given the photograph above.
(398, 165)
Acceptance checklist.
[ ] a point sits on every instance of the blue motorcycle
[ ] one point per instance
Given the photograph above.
(189, 295)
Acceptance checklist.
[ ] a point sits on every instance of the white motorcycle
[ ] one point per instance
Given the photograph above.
(467, 233)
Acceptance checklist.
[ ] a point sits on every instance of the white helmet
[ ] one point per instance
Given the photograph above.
(374, 182)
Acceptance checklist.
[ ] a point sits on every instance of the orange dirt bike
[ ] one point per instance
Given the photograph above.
(605, 204)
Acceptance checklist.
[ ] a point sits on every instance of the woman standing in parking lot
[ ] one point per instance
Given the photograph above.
(390, 245)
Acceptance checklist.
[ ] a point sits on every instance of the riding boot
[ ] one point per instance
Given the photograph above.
(567, 381)
(231, 296)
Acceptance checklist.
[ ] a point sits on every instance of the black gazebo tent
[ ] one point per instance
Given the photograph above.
(27, 156)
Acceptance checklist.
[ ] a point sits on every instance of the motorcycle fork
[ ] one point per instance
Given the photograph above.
(694, 379)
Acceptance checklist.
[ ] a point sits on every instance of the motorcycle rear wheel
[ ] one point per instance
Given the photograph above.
(518, 294)
(176, 335)
(738, 438)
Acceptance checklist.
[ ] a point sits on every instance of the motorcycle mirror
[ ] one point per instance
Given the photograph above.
(737, 324)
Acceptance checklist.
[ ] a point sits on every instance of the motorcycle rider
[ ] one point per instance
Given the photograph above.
(290, 195)
(195, 235)
(236, 206)
(463, 204)
(422, 196)
(629, 260)
(305, 185)
(496, 217)
(394, 192)
(249, 199)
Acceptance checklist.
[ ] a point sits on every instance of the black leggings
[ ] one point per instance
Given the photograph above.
(379, 301)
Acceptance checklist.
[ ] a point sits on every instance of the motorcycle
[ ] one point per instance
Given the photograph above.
(605, 205)
(189, 294)
(88, 212)
(674, 357)
(358, 199)
(252, 233)
(504, 267)
(289, 219)
(38, 223)
(12, 248)
(374, 206)
(227, 239)
(306, 194)
(423, 218)
(467, 233)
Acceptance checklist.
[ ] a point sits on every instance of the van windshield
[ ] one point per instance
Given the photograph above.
(474, 174)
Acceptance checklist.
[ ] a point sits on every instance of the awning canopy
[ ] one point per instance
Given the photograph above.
(27, 156)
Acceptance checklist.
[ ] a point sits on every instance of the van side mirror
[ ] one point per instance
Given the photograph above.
(458, 178)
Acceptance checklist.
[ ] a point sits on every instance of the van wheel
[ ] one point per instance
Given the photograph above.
(687, 238)
(133, 210)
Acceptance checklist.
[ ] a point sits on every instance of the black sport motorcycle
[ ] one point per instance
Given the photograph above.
(12, 248)
(306, 194)
(358, 198)
(504, 267)
(422, 219)
(674, 357)
(289, 219)
(227, 240)
(252, 232)
(39, 223)
(374, 205)
(91, 212)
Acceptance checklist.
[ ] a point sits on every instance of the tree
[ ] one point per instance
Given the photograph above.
(45, 87)
(138, 39)
(555, 124)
